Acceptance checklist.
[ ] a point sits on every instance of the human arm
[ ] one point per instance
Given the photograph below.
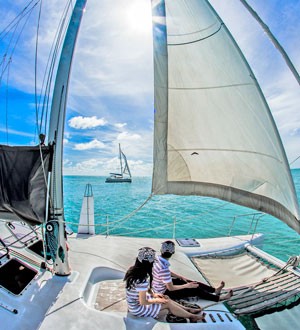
(159, 295)
(155, 299)
(174, 287)
(180, 277)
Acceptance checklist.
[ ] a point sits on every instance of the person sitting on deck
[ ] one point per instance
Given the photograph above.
(141, 302)
(178, 287)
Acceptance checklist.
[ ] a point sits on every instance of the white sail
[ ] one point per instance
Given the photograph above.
(214, 133)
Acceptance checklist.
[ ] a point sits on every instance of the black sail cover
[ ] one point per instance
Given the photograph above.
(23, 190)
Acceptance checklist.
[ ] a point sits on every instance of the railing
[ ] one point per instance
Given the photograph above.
(174, 227)
(255, 218)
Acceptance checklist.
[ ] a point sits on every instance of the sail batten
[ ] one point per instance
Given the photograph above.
(214, 134)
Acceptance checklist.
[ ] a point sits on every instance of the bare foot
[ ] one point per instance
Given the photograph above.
(219, 288)
(197, 318)
(227, 296)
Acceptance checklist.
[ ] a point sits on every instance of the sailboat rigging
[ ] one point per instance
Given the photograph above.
(124, 175)
(31, 186)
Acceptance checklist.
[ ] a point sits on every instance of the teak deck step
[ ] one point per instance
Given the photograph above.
(265, 294)
(111, 296)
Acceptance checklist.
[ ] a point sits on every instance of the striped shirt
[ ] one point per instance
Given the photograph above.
(161, 274)
(134, 306)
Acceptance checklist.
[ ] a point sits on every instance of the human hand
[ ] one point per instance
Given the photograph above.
(158, 295)
(161, 300)
(191, 285)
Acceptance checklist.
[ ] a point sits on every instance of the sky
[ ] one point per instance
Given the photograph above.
(111, 87)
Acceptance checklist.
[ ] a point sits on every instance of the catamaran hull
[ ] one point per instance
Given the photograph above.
(110, 180)
(54, 302)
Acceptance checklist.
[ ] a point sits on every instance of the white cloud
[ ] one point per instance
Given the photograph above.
(119, 54)
(87, 167)
(94, 144)
(89, 164)
(86, 122)
(67, 162)
(125, 136)
(120, 125)
(102, 167)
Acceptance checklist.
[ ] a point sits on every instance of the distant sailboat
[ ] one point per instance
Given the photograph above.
(124, 175)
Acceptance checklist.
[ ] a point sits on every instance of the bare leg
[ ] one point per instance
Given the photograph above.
(189, 309)
(162, 314)
(227, 296)
(177, 310)
(219, 288)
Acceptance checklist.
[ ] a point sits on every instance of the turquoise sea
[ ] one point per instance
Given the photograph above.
(118, 212)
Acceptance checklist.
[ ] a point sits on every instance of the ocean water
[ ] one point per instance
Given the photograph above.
(127, 210)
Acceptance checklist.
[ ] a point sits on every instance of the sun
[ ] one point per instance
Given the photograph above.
(138, 16)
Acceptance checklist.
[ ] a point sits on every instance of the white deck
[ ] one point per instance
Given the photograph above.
(53, 302)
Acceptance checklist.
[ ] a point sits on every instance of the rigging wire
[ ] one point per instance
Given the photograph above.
(6, 65)
(35, 66)
(6, 104)
(273, 39)
(52, 59)
(292, 162)
(28, 13)
(13, 28)
(18, 18)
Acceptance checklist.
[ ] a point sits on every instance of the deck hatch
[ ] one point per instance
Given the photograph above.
(15, 276)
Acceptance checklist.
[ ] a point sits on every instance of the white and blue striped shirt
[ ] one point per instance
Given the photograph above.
(134, 306)
(161, 274)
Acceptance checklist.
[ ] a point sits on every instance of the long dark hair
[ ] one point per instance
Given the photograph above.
(138, 273)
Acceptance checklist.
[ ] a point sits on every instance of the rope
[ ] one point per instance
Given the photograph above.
(292, 162)
(266, 279)
(135, 211)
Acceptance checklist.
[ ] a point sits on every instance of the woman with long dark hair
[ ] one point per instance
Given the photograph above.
(141, 301)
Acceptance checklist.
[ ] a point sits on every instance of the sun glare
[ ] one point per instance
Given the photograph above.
(138, 15)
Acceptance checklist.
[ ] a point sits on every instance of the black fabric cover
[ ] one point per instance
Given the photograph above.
(22, 183)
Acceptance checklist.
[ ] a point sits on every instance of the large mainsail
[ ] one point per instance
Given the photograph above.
(214, 133)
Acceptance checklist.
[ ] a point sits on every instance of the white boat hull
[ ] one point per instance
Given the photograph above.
(54, 302)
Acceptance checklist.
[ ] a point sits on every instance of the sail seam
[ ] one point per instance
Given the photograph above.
(194, 32)
(210, 87)
(197, 40)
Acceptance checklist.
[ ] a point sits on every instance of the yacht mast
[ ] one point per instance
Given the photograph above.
(56, 224)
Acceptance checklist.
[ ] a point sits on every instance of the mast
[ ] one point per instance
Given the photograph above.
(160, 54)
(56, 133)
(273, 39)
